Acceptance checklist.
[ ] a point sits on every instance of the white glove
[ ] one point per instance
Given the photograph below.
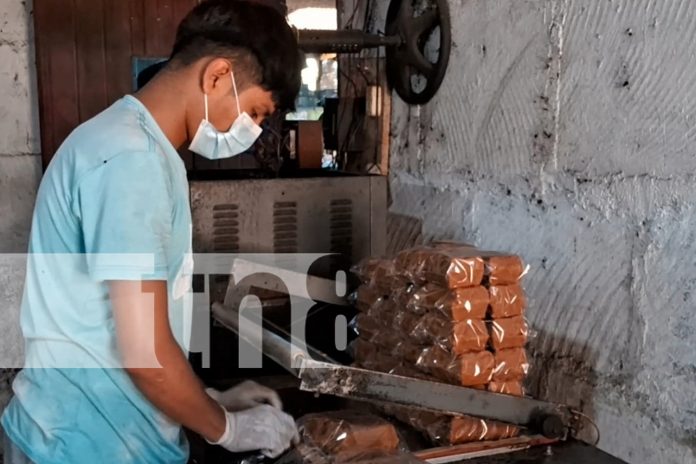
(244, 396)
(263, 428)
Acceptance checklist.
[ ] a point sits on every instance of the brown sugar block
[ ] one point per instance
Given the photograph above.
(368, 356)
(362, 350)
(408, 352)
(367, 327)
(510, 364)
(465, 303)
(376, 338)
(348, 431)
(468, 429)
(455, 337)
(447, 268)
(450, 265)
(469, 335)
(470, 369)
(384, 310)
(365, 269)
(508, 387)
(504, 270)
(409, 263)
(445, 430)
(507, 301)
(457, 305)
(385, 278)
(367, 296)
(507, 333)
(405, 322)
(388, 341)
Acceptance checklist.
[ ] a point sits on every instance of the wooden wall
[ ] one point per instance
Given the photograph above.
(84, 52)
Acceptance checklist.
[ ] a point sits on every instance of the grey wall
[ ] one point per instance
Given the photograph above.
(20, 164)
(566, 132)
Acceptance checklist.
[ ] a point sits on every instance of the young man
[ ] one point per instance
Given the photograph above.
(106, 294)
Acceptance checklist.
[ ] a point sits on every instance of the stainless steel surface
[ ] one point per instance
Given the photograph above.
(270, 276)
(303, 215)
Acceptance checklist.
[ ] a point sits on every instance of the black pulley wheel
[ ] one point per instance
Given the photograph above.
(411, 68)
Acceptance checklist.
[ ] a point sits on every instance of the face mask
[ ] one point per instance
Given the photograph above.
(214, 145)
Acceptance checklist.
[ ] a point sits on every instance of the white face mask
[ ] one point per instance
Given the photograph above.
(214, 145)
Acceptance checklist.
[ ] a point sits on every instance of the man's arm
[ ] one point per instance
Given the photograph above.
(173, 388)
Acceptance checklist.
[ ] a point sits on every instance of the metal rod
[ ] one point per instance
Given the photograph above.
(344, 41)
(351, 382)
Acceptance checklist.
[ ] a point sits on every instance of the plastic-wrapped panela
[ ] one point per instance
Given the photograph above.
(447, 313)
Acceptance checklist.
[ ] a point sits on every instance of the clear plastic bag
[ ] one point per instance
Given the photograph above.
(367, 296)
(365, 269)
(455, 265)
(510, 364)
(507, 387)
(348, 431)
(508, 333)
(455, 337)
(366, 326)
(405, 322)
(457, 305)
(305, 454)
(448, 430)
(504, 269)
(384, 277)
(469, 370)
(507, 301)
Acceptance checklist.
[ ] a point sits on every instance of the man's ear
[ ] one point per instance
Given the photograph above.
(216, 77)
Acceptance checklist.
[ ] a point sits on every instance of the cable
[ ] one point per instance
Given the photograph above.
(594, 425)
(349, 23)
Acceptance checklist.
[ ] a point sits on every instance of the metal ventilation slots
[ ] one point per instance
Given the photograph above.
(285, 227)
(341, 216)
(226, 228)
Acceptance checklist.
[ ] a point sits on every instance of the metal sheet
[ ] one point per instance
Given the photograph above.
(303, 215)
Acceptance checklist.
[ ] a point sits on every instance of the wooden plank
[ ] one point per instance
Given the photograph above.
(117, 28)
(150, 20)
(137, 26)
(58, 30)
(167, 27)
(42, 40)
(181, 9)
(91, 57)
(159, 28)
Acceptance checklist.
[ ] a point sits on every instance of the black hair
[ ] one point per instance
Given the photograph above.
(256, 37)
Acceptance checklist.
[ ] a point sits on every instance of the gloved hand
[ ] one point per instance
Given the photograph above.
(263, 428)
(244, 396)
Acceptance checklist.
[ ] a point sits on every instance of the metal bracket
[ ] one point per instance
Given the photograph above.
(320, 374)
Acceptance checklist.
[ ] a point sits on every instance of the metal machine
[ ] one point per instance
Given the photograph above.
(346, 215)
(411, 57)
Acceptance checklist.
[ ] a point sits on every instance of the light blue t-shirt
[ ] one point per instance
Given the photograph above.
(113, 205)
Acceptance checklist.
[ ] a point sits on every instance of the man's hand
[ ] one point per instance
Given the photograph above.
(246, 395)
(263, 428)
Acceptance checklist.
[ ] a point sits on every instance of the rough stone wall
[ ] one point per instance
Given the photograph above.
(20, 164)
(565, 132)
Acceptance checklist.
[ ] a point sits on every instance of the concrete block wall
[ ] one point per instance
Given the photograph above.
(20, 163)
(565, 132)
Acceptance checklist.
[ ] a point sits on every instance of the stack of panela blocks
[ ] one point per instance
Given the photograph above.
(450, 313)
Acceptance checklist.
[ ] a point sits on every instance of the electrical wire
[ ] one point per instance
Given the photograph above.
(594, 425)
